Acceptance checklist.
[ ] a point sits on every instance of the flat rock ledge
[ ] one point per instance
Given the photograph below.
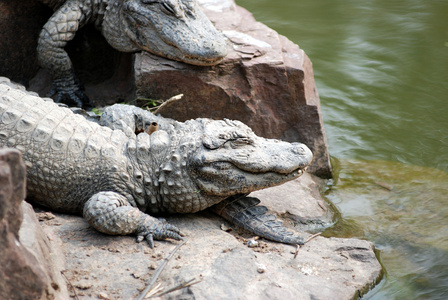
(65, 258)
(118, 268)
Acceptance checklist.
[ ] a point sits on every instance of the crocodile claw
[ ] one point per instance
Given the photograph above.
(70, 93)
(160, 230)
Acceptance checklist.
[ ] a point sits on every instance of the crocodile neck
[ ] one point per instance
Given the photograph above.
(159, 177)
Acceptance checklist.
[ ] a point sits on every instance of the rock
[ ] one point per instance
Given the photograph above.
(226, 268)
(21, 277)
(266, 81)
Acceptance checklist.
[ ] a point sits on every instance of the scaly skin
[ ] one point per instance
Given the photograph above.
(176, 29)
(116, 178)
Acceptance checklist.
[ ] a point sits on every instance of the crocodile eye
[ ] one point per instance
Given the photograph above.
(242, 142)
(168, 9)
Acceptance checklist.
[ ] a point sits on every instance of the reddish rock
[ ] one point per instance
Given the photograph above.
(21, 276)
(266, 81)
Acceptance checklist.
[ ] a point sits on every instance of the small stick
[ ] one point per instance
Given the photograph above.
(155, 290)
(159, 270)
(309, 239)
(167, 102)
(312, 237)
(178, 287)
(71, 285)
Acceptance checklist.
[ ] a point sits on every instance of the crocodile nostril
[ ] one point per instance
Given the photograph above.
(299, 149)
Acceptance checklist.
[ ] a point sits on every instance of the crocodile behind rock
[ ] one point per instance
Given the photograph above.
(176, 29)
(116, 178)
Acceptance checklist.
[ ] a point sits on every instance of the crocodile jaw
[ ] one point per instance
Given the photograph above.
(234, 160)
(236, 181)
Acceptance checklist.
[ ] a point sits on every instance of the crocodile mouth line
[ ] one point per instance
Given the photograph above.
(194, 60)
(204, 61)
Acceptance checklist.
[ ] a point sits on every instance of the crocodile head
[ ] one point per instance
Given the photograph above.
(176, 29)
(233, 160)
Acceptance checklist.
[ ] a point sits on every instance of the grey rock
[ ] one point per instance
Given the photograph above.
(265, 81)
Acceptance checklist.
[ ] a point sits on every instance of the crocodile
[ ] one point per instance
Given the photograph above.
(119, 172)
(176, 29)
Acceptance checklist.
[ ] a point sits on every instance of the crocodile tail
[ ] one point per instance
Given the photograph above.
(245, 212)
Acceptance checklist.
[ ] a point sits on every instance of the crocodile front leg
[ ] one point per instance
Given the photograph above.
(56, 33)
(111, 213)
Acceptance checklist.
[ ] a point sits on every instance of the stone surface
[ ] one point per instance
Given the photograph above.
(266, 81)
(118, 268)
(21, 276)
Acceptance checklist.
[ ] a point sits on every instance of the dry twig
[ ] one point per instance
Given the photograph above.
(71, 285)
(157, 289)
(158, 271)
(309, 239)
(177, 287)
(162, 106)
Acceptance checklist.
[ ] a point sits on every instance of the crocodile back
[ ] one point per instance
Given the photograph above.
(65, 154)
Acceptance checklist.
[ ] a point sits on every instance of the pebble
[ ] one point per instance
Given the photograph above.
(261, 268)
(252, 243)
(104, 296)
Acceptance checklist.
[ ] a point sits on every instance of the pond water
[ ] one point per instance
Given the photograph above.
(381, 68)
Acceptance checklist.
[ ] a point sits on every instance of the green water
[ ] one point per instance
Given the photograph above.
(381, 68)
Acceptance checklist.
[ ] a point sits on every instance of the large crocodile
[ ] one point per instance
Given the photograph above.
(176, 29)
(116, 178)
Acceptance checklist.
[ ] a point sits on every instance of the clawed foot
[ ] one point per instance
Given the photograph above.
(158, 229)
(70, 94)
